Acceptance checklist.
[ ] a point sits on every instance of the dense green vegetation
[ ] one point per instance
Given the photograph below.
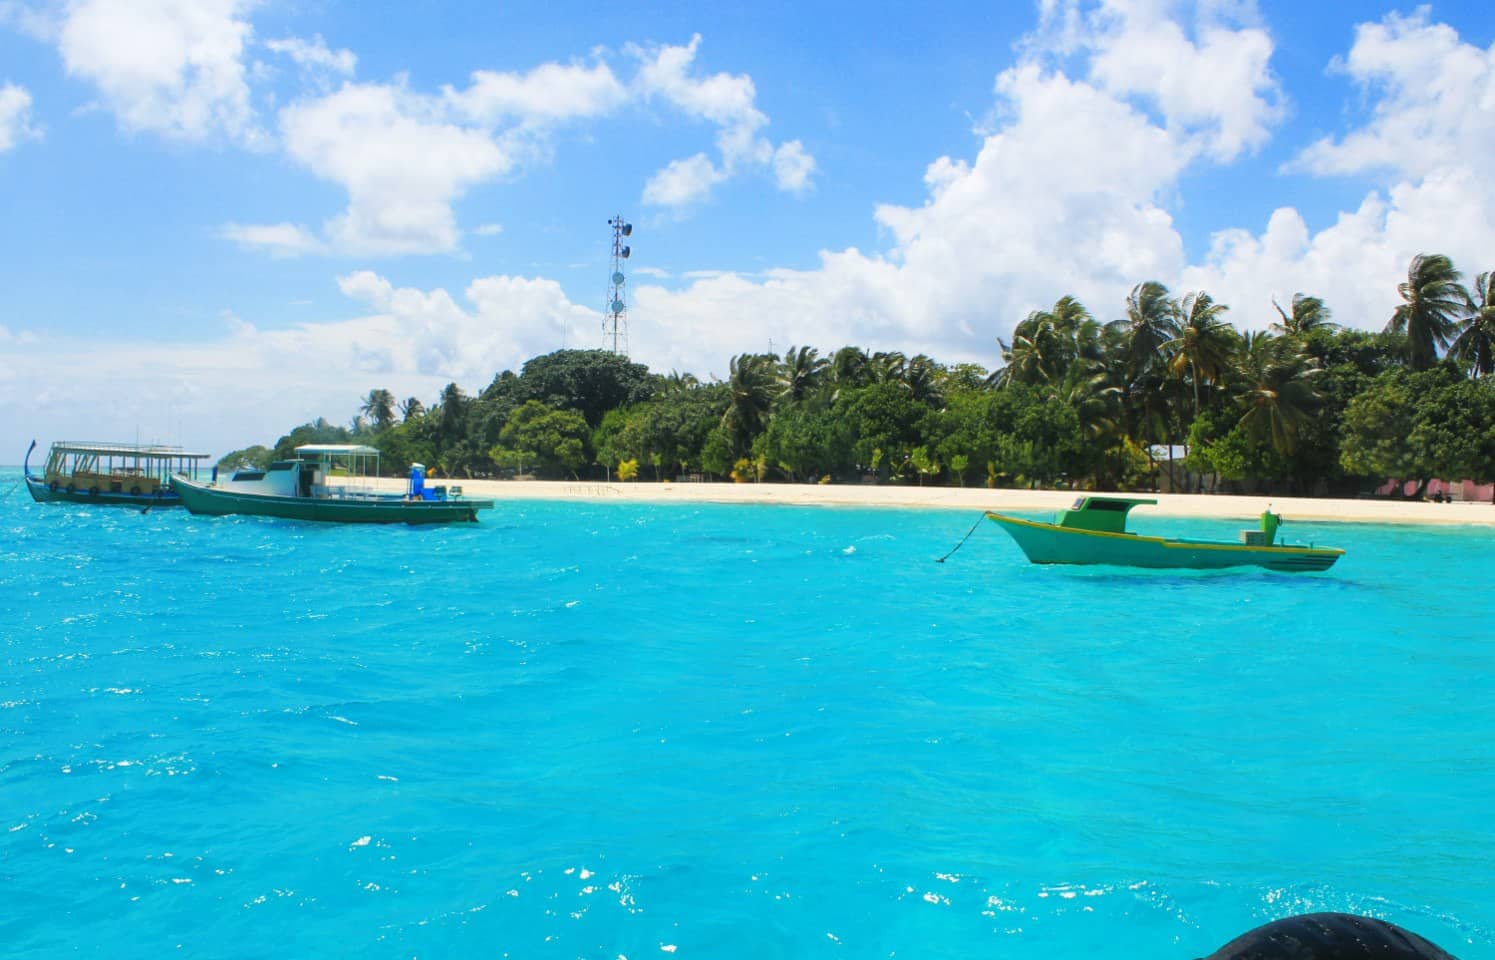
(1306, 407)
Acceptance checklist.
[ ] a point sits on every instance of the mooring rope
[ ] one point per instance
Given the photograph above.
(964, 538)
(11, 490)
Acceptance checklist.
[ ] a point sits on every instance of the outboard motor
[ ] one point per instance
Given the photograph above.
(417, 489)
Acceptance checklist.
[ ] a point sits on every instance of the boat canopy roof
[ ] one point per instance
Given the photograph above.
(1101, 514)
(336, 450)
(147, 451)
(1113, 503)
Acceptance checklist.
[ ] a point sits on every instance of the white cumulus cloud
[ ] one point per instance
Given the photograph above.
(1070, 192)
(1426, 142)
(793, 167)
(279, 239)
(15, 117)
(1065, 198)
(251, 384)
(548, 93)
(683, 182)
(405, 158)
(169, 67)
(1436, 103)
(1205, 67)
(181, 69)
(315, 56)
(401, 160)
(729, 102)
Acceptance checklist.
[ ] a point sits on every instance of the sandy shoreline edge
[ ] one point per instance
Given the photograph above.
(975, 499)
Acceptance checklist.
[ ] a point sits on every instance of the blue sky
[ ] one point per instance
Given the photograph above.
(222, 218)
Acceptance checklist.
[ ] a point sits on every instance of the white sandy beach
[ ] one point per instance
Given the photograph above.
(979, 498)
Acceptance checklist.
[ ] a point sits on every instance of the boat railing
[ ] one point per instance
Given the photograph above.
(341, 492)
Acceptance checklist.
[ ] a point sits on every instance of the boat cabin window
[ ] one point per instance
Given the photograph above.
(1119, 506)
(283, 465)
(249, 475)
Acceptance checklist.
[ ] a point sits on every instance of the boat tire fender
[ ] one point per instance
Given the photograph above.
(135, 490)
(52, 486)
(71, 488)
(93, 491)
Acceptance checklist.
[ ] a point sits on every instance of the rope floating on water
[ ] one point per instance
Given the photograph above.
(964, 538)
(11, 490)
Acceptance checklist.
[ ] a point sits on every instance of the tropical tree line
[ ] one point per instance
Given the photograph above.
(1168, 392)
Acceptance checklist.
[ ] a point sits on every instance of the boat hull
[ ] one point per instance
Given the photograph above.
(55, 492)
(1050, 543)
(200, 498)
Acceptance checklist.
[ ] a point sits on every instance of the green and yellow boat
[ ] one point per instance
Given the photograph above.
(1093, 531)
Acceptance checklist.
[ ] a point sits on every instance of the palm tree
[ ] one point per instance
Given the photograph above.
(1433, 303)
(1204, 342)
(379, 407)
(676, 384)
(1023, 359)
(411, 407)
(1046, 343)
(849, 367)
(800, 371)
(1150, 324)
(750, 381)
(921, 376)
(1033, 356)
(1096, 400)
(1078, 326)
(1308, 314)
(889, 367)
(453, 408)
(1276, 382)
(1475, 344)
(1133, 346)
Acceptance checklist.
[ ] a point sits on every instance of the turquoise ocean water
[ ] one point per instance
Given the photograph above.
(602, 730)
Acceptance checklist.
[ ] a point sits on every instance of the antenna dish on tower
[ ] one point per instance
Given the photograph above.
(615, 323)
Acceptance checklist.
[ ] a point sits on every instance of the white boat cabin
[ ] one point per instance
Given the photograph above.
(319, 471)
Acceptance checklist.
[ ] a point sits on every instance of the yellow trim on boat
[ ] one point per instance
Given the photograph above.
(1161, 541)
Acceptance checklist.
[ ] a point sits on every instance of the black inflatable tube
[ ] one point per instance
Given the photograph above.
(1329, 936)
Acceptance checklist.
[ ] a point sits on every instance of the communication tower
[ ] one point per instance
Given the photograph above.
(615, 320)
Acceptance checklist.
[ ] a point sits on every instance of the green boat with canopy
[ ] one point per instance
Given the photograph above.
(1093, 531)
(333, 483)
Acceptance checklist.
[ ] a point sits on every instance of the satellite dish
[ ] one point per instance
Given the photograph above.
(627, 229)
(618, 279)
(626, 252)
(617, 306)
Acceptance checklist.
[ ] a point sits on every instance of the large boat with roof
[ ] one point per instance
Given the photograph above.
(119, 474)
(332, 483)
(1093, 531)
